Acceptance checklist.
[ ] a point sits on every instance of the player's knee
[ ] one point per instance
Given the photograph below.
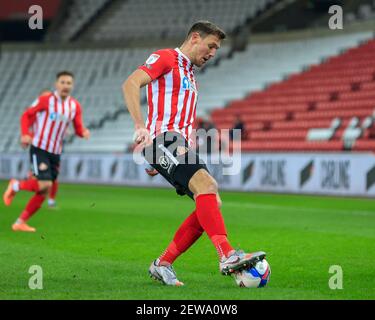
(44, 186)
(211, 186)
(202, 183)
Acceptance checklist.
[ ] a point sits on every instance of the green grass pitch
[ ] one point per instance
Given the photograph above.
(101, 240)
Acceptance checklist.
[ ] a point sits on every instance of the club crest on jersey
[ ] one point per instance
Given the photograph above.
(152, 59)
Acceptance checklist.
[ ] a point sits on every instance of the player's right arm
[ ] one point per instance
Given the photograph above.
(29, 117)
(159, 63)
(131, 91)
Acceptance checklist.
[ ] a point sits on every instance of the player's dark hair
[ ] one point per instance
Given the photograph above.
(64, 73)
(205, 28)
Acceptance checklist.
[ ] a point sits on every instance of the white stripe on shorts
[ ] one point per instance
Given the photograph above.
(35, 164)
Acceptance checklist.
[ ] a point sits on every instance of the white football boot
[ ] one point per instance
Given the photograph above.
(239, 260)
(164, 274)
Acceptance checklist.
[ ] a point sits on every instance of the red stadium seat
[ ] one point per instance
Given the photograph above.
(278, 135)
(279, 117)
(364, 145)
(291, 146)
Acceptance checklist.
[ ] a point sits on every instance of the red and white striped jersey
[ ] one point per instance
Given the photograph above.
(172, 95)
(50, 117)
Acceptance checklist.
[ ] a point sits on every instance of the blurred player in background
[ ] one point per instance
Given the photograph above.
(55, 184)
(49, 118)
(172, 96)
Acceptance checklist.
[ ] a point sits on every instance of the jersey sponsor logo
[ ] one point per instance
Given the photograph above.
(54, 116)
(152, 59)
(187, 85)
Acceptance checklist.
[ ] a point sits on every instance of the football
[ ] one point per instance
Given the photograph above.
(254, 277)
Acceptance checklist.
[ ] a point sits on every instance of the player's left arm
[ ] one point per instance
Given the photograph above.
(79, 128)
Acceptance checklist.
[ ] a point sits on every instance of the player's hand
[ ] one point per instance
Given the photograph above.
(151, 172)
(86, 134)
(26, 140)
(142, 137)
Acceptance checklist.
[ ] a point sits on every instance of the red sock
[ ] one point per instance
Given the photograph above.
(33, 205)
(189, 231)
(53, 192)
(30, 184)
(211, 220)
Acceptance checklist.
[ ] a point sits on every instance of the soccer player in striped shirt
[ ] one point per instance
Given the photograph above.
(172, 94)
(50, 117)
(55, 184)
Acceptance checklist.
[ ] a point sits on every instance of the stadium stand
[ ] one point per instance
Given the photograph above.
(365, 11)
(78, 15)
(100, 73)
(139, 19)
(216, 87)
(280, 117)
(265, 63)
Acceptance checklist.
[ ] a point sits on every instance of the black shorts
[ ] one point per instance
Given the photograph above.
(44, 165)
(172, 157)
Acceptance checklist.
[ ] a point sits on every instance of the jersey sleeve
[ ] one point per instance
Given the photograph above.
(29, 116)
(158, 63)
(77, 122)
